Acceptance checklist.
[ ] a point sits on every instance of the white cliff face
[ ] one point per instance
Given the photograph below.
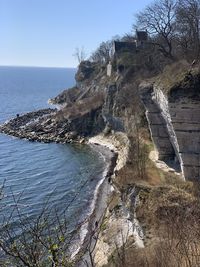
(157, 124)
(161, 100)
(174, 122)
(185, 117)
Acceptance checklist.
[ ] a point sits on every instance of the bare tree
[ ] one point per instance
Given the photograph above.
(45, 240)
(188, 27)
(103, 53)
(80, 54)
(159, 20)
(128, 37)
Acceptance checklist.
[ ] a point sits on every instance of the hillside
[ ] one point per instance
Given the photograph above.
(153, 123)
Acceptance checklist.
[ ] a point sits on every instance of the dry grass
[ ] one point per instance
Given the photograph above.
(171, 75)
(170, 217)
(159, 254)
(81, 107)
(169, 211)
(153, 175)
(67, 97)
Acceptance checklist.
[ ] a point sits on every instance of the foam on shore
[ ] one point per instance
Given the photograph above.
(99, 201)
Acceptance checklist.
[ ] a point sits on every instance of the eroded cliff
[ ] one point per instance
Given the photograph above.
(114, 106)
(174, 122)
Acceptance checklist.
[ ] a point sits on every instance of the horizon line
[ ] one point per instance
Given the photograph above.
(25, 66)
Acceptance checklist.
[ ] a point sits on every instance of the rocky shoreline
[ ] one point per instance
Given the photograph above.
(100, 202)
(40, 126)
(119, 143)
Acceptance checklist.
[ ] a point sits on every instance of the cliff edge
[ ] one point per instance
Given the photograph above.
(153, 113)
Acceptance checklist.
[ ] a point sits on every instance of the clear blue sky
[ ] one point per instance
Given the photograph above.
(46, 32)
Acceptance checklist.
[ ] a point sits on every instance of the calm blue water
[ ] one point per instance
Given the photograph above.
(35, 173)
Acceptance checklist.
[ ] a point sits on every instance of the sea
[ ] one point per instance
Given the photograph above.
(63, 177)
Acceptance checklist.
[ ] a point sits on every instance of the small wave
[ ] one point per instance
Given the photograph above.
(42, 173)
(106, 155)
(84, 228)
(96, 191)
(76, 247)
(102, 155)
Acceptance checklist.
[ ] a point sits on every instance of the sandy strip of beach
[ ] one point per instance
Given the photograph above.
(99, 205)
(115, 150)
(117, 142)
(119, 145)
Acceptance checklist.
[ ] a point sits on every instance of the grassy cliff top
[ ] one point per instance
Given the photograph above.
(180, 75)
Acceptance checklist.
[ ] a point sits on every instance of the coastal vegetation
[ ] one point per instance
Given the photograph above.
(152, 212)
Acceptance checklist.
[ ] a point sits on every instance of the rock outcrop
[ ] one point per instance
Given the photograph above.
(100, 103)
(174, 122)
(50, 126)
(107, 110)
(84, 110)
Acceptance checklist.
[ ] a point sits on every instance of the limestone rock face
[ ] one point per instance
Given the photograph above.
(85, 109)
(67, 97)
(174, 122)
(86, 68)
(157, 125)
(109, 107)
(184, 107)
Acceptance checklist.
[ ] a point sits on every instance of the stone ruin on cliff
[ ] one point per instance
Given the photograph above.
(132, 47)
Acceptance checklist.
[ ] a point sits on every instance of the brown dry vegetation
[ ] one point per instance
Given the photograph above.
(177, 73)
(172, 216)
(168, 207)
(169, 214)
(81, 107)
(168, 211)
(67, 97)
(171, 74)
